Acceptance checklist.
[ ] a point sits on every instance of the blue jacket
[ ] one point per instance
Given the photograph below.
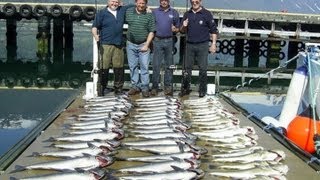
(110, 28)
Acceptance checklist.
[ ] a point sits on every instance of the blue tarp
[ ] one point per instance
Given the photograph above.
(290, 6)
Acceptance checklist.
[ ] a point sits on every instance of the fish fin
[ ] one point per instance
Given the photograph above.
(175, 158)
(86, 154)
(90, 145)
(79, 170)
(176, 168)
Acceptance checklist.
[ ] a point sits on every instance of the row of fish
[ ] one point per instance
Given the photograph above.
(235, 151)
(89, 142)
(158, 140)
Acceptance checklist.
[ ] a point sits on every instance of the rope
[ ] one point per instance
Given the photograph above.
(260, 77)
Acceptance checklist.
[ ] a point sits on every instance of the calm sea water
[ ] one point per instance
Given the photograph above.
(22, 110)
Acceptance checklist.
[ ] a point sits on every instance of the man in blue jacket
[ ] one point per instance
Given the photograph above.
(107, 30)
(200, 29)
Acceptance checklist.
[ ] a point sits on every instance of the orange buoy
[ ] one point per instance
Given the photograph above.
(301, 132)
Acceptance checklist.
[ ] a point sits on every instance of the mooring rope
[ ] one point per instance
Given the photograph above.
(246, 83)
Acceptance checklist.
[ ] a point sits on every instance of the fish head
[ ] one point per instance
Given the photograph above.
(199, 173)
(113, 143)
(98, 173)
(193, 163)
(119, 132)
(196, 155)
(186, 141)
(198, 149)
(250, 130)
(282, 168)
(104, 160)
(280, 155)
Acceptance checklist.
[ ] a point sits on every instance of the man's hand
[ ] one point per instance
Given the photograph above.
(186, 22)
(213, 48)
(144, 48)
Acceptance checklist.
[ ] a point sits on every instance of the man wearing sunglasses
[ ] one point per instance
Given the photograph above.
(200, 29)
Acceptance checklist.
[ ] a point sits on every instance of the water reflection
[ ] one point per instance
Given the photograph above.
(258, 104)
(23, 110)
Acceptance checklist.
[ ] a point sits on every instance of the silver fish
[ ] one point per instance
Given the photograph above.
(110, 144)
(103, 125)
(167, 135)
(91, 150)
(234, 139)
(85, 162)
(168, 149)
(155, 122)
(109, 135)
(157, 130)
(235, 145)
(164, 157)
(173, 175)
(84, 131)
(172, 125)
(226, 133)
(243, 166)
(267, 155)
(275, 170)
(160, 167)
(163, 141)
(239, 152)
(78, 174)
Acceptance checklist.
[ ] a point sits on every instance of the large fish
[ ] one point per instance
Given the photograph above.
(234, 139)
(168, 149)
(235, 145)
(172, 125)
(163, 141)
(156, 122)
(157, 108)
(78, 174)
(238, 152)
(92, 150)
(172, 175)
(106, 135)
(276, 170)
(85, 162)
(163, 157)
(105, 124)
(157, 130)
(226, 133)
(267, 155)
(167, 135)
(160, 167)
(109, 144)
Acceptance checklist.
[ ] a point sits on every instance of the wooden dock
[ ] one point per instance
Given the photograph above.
(297, 168)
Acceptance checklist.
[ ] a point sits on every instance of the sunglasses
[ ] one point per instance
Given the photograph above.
(195, 2)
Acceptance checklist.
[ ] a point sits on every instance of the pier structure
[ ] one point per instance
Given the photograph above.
(250, 37)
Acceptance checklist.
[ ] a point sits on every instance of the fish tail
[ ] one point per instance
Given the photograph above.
(35, 154)
(18, 168)
(13, 178)
(51, 139)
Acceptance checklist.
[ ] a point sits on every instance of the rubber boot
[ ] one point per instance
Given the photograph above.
(185, 84)
(118, 80)
(102, 81)
(202, 83)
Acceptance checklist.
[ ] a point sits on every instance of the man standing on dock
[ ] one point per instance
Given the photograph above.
(199, 26)
(141, 27)
(167, 23)
(107, 30)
